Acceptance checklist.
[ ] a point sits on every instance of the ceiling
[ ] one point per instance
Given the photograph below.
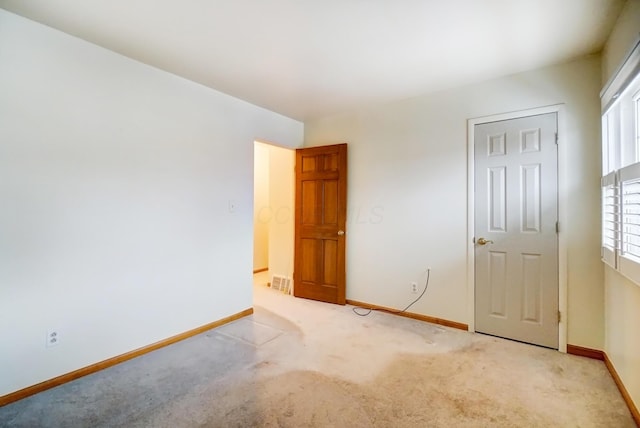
(306, 59)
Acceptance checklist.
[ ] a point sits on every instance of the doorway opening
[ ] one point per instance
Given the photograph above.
(516, 217)
(273, 216)
(562, 193)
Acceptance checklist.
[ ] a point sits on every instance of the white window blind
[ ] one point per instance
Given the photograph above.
(630, 208)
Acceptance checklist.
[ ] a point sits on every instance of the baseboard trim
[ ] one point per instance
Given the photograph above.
(68, 377)
(635, 414)
(585, 352)
(260, 270)
(412, 315)
(601, 355)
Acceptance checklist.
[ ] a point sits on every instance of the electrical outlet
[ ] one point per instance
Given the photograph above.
(53, 338)
(414, 288)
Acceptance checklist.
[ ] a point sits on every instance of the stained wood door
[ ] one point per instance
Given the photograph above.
(516, 242)
(320, 221)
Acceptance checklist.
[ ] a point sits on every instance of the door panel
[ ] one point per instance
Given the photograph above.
(498, 283)
(308, 253)
(308, 202)
(330, 208)
(320, 238)
(530, 209)
(532, 288)
(498, 199)
(516, 206)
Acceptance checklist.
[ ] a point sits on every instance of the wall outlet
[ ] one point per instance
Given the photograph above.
(414, 288)
(53, 338)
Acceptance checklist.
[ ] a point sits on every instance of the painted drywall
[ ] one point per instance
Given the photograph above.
(622, 297)
(407, 201)
(115, 182)
(622, 318)
(261, 207)
(281, 212)
(625, 31)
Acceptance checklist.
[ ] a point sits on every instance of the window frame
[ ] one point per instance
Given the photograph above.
(610, 206)
(620, 183)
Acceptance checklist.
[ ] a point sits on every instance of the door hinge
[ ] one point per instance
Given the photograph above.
(557, 227)
(559, 317)
(556, 138)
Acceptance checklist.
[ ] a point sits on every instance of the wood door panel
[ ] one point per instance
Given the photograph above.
(330, 258)
(308, 163)
(320, 240)
(309, 257)
(330, 202)
(309, 202)
(313, 291)
(331, 162)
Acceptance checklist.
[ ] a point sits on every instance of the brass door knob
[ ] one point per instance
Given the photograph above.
(482, 241)
(340, 232)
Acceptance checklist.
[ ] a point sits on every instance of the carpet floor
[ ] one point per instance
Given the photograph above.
(300, 363)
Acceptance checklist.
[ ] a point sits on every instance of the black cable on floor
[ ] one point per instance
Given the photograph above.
(391, 311)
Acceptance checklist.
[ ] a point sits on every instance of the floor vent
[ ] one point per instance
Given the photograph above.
(281, 283)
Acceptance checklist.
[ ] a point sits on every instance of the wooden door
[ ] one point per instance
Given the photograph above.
(321, 214)
(516, 242)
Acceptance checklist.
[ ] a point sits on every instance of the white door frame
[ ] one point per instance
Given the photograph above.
(562, 216)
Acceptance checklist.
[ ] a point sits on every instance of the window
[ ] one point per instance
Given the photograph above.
(621, 169)
(637, 104)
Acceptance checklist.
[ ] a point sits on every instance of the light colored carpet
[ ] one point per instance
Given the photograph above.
(299, 363)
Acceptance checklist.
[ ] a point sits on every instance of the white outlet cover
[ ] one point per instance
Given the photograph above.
(53, 338)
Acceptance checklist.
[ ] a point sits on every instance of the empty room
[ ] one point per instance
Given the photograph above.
(320, 213)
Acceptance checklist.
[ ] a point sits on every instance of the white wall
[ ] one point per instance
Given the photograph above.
(625, 31)
(115, 182)
(622, 297)
(407, 202)
(261, 207)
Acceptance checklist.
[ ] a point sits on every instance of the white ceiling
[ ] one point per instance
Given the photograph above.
(306, 59)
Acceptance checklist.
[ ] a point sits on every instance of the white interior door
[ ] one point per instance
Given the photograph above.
(516, 242)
